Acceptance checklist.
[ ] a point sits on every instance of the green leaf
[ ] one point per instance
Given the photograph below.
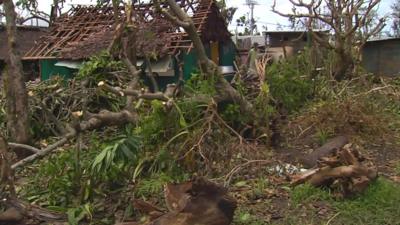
(71, 217)
(241, 184)
(128, 153)
(244, 217)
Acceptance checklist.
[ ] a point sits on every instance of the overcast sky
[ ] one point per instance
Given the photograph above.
(266, 17)
(262, 11)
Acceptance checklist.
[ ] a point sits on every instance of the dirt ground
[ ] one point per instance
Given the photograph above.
(270, 202)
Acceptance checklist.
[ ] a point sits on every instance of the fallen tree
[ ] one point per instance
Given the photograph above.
(82, 118)
(17, 210)
(104, 118)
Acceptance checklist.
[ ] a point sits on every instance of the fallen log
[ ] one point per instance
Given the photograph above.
(311, 159)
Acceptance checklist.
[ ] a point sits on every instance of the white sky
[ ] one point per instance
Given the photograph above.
(262, 11)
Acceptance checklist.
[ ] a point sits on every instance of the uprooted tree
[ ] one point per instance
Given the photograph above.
(350, 22)
(85, 120)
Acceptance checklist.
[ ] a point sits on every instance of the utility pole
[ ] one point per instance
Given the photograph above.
(251, 4)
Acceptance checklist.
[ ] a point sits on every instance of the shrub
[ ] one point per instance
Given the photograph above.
(290, 81)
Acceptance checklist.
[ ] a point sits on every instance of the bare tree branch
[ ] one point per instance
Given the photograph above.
(27, 147)
(349, 20)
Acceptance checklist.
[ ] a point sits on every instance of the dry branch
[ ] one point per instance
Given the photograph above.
(45, 151)
(18, 209)
(351, 22)
(129, 92)
(27, 147)
(94, 121)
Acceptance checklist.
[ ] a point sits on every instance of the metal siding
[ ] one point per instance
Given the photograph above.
(382, 57)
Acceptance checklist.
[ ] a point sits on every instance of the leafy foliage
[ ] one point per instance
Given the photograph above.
(114, 161)
(201, 85)
(67, 181)
(99, 66)
(290, 81)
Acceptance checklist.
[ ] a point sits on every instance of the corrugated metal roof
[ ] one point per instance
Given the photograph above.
(292, 31)
(69, 64)
(384, 39)
(247, 41)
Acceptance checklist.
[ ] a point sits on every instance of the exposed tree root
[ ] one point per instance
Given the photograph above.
(346, 169)
(327, 149)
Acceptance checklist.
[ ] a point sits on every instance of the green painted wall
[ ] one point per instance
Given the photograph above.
(48, 69)
(227, 52)
(190, 64)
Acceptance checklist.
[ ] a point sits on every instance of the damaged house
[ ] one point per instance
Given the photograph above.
(87, 30)
(26, 39)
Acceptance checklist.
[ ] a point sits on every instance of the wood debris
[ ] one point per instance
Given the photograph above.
(199, 201)
(345, 171)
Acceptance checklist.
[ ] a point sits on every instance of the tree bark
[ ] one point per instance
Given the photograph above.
(344, 63)
(16, 95)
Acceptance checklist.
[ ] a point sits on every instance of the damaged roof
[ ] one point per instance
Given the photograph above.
(87, 30)
(27, 37)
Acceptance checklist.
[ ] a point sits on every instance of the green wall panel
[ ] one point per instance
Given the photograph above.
(190, 64)
(227, 53)
(48, 69)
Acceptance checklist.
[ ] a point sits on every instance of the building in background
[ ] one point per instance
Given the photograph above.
(86, 31)
(27, 36)
(282, 44)
(382, 56)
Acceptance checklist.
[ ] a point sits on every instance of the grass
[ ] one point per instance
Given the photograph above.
(378, 205)
(246, 217)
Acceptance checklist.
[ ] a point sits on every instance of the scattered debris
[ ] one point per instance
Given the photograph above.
(346, 171)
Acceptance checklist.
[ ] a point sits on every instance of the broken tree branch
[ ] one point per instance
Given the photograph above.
(27, 147)
(45, 151)
(139, 94)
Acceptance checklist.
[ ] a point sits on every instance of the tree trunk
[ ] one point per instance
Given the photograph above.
(344, 64)
(208, 67)
(14, 85)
